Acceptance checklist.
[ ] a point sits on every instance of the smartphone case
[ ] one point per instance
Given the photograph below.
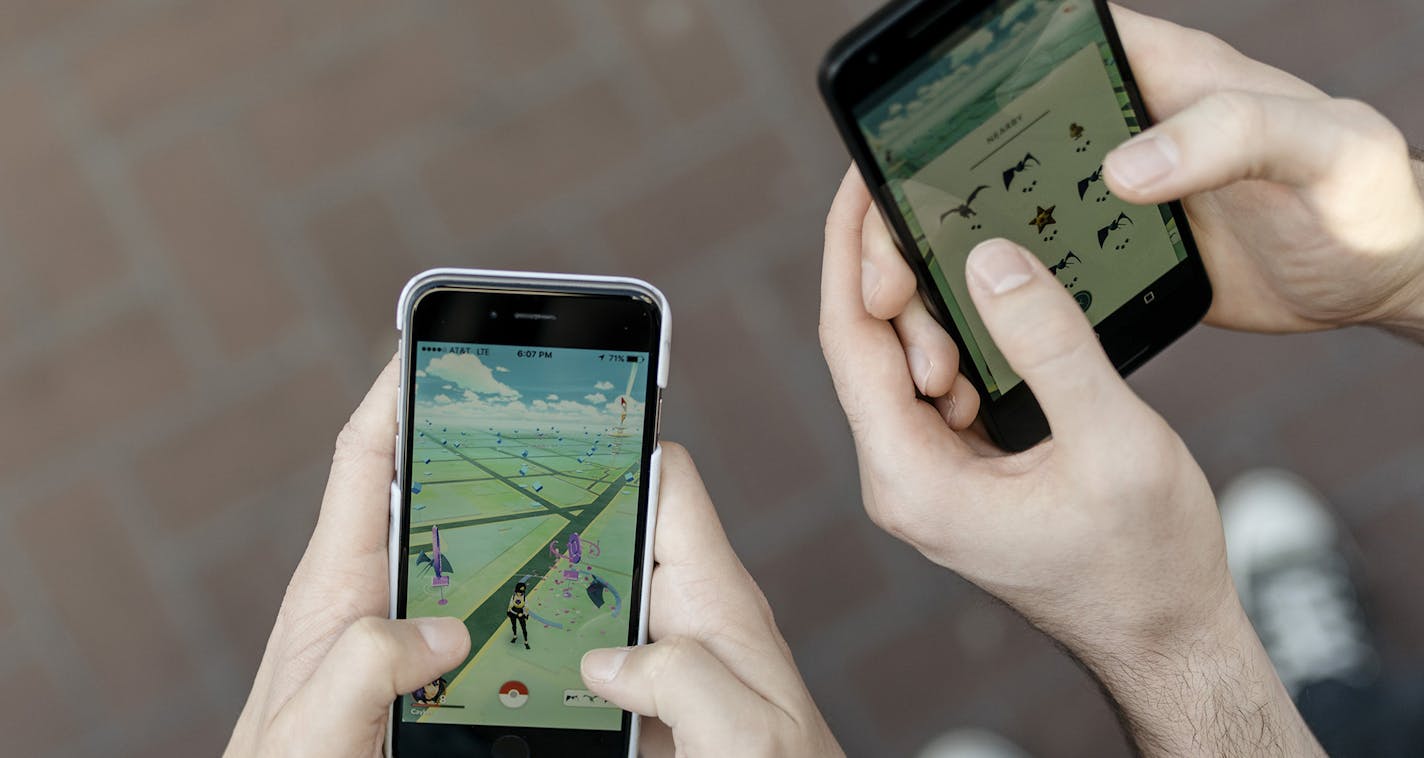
(516, 281)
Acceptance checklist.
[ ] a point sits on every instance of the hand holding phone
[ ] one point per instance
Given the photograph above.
(1048, 530)
(976, 119)
(1331, 235)
(334, 661)
(1107, 537)
(718, 669)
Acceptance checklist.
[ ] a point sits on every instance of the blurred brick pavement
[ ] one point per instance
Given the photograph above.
(207, 210)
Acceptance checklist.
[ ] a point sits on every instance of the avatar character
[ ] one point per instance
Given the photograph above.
(431, 694)
(519, 614)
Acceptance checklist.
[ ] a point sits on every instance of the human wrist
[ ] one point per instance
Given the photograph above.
(1405, 314)
(1205, 687)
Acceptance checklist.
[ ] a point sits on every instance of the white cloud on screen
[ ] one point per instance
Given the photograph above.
(467, 371)
(498, 411)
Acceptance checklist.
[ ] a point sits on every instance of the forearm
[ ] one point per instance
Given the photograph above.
(1212, 692)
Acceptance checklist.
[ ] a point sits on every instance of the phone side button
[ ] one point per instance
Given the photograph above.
(393, 547)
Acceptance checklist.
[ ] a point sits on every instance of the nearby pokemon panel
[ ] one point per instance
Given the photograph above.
(1030, 176)
(1001, 131)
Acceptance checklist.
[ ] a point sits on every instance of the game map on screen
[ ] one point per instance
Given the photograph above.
(524, 498)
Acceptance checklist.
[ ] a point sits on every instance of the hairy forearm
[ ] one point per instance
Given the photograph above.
(1212, 692)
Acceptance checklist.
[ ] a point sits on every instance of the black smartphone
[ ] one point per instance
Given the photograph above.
(973, 119)
(524, 502)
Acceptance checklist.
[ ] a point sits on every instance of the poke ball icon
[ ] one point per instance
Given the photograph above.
(513, 694)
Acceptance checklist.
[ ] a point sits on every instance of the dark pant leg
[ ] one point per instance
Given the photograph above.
(1383, 718)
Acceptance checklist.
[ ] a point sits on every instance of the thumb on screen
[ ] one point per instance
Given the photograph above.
(679, 682)
(340, 709)
(1044, 335)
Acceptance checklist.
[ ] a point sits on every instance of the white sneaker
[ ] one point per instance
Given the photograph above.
(1285, 556)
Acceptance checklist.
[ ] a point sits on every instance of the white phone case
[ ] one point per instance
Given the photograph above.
(517, 281)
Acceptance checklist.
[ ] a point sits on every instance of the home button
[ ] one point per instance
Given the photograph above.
(510, 746)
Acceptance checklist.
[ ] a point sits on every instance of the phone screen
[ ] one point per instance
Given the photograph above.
(525, 478)
(1000, 131)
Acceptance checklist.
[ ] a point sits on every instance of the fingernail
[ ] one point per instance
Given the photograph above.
(869, 281)
(1000, 266)
(920, 366)
(1142, 162)
(604, 664)
(441, 635)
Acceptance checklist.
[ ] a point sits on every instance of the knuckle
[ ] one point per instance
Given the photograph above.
(893, 520)
(878, 244)
(352, 444)
(348, 442)
(355, 446)
(1362, 119)
(1238, 115)
(857, 419)
(1212, 51)
(759, 602)
(1205, 42)
(369, 636)
(826, 336)
(677, 651)
(675, 453)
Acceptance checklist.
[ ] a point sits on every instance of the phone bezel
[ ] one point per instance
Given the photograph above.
(896, 37)
(589, 312)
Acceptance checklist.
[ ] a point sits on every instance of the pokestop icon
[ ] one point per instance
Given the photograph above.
(513, 694)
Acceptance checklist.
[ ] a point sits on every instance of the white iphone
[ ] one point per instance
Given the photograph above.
(524, 501)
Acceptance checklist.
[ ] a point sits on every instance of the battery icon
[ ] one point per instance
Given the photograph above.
(631, 359)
